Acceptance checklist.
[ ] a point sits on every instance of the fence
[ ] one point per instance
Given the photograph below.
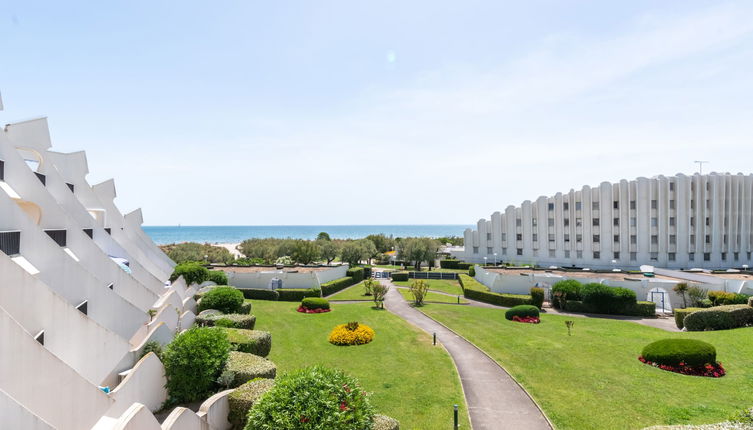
(432, 275)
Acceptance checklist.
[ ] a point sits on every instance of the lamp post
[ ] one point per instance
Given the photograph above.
(484, 261)
(495, 259)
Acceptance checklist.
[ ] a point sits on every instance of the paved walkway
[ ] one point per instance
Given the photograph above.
(495, 401)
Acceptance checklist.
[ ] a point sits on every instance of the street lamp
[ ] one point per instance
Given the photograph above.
(484, 261)
(495, 259)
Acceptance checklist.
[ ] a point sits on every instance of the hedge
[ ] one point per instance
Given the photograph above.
(680, 315)
(576, 306)
(383, 422)
(242, 399)
(642, 309)
(218, 277)
(399, 276)
(522, 311)
(672, 352)
(225, 299)
(192, 273)
(449, 263)
(245, 308)
(608, 300)
(251, 341)
(331, 287)
(296, 294)
(537, 297)
(474, 290)
(243, 321)
(357, 273)
(259, 294)
(564, 291)
(246, 367)
(315, 303)
(719, 298)
(720, 318)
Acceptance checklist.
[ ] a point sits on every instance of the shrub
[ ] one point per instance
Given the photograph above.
(672, 352)
(466, 266)
(243, 321)
(217, 276)
(576, 306)
(472, 271)
(419, 289)
(448, 264)
(608, 300)
(720, 318)
(296, 295)
(225, 299)
(242, 399)
(152, 346)
(537, 297)
(475, 290)
(252, 341)
(696, 294)
(378, 292)
(203, 290)
(680, 315)
(331, 287)
(351, 333)
(245, 367)
(357, 273)
(743, 417)
(383, 422)
(259, 294)
(522, 311)
(193, 273)
(315, 303)
(642, 309)
(719, 298)
(705, 303)
(399, 276)
(313, 398)
(245, 307)
(193, 361)
(562, 291)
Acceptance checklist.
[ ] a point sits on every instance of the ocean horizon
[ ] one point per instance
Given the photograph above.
(162, 235)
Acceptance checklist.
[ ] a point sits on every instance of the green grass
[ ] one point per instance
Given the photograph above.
(431, 297)
(351, 293)
(444, 285)
(593, 379)
(410, 379)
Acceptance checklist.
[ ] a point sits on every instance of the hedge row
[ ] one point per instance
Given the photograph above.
(252, 341)
(244, 321)
(331, 287)
(399, 276)
(640, 309)
(719, 298)
(474, 290)
(260, 294)
(315, 303)
(522, 311)
(296, 295)
(720, 318)
(242, 399)
(598, 298)
(247, 367)
(680, 315)
(357, 273)
(454, 264)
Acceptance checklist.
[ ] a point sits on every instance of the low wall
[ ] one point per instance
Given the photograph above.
(261, 280)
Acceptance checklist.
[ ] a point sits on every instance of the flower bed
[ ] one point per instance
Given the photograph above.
(351, 333)
(714, 370)
(305, 310)
(529, 320)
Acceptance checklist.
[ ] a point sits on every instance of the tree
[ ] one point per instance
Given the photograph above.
(682, 289)
(419, 289)
(323, 236)
(329, 250)
(369, 249)
(192, 251)
(418, 250)
(382, 242)
(352, 253)
(305, 252)
(378, 291)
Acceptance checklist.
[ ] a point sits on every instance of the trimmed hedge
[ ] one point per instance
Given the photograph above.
(225, 299)
(192, 273)
(203, 290)
(357, 273)
(331, 287)
(522, 311)
(474, 290)
(383, 422)
(672, 352)
(218, 277)
(719, 298)
(720, 318)
(576, 306)
(243, 321)
(259, 294)
(242, 399)
(399, 276)
(537, 297)
(245, 308)
(315, 303)
(641, 309)
(680, 315)
(608, 300)
(246, 367)
(252, 341)
(564, 291)
(297, 294)
(451, 263)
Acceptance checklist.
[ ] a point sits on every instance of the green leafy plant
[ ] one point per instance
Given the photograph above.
(522, 311)
(419, 289)
(368, 286)
(672, 352)
(252, 341)
(379, 291)
(225, 299)
(315, 303)
(608, 300)
(682, 288)
(696, 294)
(537, 297)
(569, 324)
(218, 277)
(242, 399)
(151, 346)
(331, 287)
(245, 367)
(192, 272)
(565, 290)
(720, 318)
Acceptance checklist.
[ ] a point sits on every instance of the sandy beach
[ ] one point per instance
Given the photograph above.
(232, 248)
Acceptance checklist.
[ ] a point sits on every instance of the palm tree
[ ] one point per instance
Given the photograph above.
(681, 289)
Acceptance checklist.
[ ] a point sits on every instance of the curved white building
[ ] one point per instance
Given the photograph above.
(678, 221)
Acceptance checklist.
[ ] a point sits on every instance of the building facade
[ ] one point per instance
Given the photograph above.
(678, 221)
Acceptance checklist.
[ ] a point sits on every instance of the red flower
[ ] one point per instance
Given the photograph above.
(343, 406)
(304, 419)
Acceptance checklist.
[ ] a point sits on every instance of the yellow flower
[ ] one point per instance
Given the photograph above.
(341, 335)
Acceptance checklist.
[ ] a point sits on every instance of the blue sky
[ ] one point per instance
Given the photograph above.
(228, 113)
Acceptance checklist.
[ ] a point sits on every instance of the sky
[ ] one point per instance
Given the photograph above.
(388, 112)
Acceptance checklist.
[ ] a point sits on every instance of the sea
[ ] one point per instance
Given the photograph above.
(237, 233)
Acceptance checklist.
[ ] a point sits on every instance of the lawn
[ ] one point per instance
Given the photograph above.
(431, 297)
(351, 293)
(444, 285)
(410, 379)
(593, 380)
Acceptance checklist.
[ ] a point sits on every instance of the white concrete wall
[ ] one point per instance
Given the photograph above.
(14, 415)
(144, 384)
(262, 279)
(328, 275)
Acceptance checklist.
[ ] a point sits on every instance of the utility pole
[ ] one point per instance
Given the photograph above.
(700, 165)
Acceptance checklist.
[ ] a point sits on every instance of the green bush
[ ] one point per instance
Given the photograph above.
(244, 321)
(608, 300)
(475, 290)
(297, 294)
(252, 341)
(245, 307)
(672, 352)
(522, 311)
(562, 291)
(399, 276)
(537, 297)
(705, 303)
(242, 399)
(227, 300)
(203, 290)
(720, 318)
(449, 263)
(315, 303)
(466, 266)
(642, 309)
(680, 315)
(719, 298)
(472, 271)
(245, 367)
(382, 422)
(218, 277)
(193, 273)
(193, 361)
(576, 306)
(259, 294)
(152, 346)
(313, 398)
(357, 273)
(331, 287)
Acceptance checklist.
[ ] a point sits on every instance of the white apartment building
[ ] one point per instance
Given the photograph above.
(82, 290)
(698, 221)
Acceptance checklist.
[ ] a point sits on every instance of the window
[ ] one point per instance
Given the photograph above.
(475, 249)
(579, 254)
(597, 255)
(551, 253)
(550, 206)
(534, 222)
(654, 222)
(595, 206)
(59, 236)
(633, 239)
(2, 170)
(672, 221)
(692, 240)
(83, 307)
(671, 204)
(517, 222)
(565, 206)
(633, 221)
(615, 205)
(488, 236)
(41, 177)
(504, 237)
(724, 256)
(10, 242)
(551, 237)
(708, 221)
(737, 256)
(706, 256)
(616, 222)
(567, 222)
(504, 251)
(708, 204)
(489, 250)
(595, 222)
(39, 337)
(671, 186)
(672, 239)
(71, 187)
(654, 256)
(632, 204)
(654, 239)
(616, 255)
(567, 254)
(111, 286)
(596, 238)
(578, 222)
(535, 237)
(633, 256)
(578, 237)
(108, 230)
(692, 221)
(691, 256)
(551, 222)
(89, 232)
(578, 205)
(520, 251)
(654, 204)
(708, 238)
(519, 236)
(671, 256)
(567, 238)
(616, 238)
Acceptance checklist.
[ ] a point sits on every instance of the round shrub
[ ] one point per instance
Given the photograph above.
(315, 303)
(242, 399)
(193, 361)
(720, 318)
(244, 367)
(313, 398)
(522, 311)
(472, 271)
(351, 333)
(672, 352)
(217, 276)
(193, 273)
(383, 422)
(225, 299)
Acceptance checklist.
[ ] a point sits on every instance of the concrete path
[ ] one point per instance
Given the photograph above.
(495, 401)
